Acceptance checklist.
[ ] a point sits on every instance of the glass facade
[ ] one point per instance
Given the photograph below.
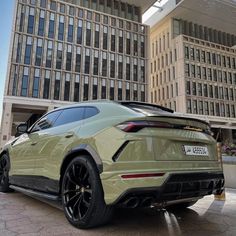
(81, 54)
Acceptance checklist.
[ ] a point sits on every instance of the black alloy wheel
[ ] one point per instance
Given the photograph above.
(4, 170)
(82, 195)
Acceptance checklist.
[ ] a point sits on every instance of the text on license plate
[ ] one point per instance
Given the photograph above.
(195, 150)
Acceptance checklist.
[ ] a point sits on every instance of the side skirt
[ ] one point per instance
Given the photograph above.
(37, 194)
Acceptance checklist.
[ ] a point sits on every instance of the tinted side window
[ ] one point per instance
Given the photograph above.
(90, 111)
(46, 122)
(70, 115)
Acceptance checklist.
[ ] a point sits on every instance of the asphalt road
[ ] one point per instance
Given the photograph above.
(22, 215)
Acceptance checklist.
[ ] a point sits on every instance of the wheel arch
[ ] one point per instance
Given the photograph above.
(83, 149)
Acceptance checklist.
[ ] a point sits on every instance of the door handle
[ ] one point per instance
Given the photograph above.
(34, 143)
(69, 135)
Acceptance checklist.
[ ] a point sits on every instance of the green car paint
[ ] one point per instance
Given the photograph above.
(150, 150)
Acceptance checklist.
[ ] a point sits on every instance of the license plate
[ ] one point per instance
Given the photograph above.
(195, 150)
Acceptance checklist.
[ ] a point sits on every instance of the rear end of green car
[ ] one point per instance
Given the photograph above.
(162, 159)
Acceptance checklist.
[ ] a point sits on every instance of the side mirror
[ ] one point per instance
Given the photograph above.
(21, 129)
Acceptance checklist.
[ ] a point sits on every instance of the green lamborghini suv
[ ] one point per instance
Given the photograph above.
(95, 156)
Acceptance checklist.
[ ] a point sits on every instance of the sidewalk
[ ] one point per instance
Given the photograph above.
(21, 215)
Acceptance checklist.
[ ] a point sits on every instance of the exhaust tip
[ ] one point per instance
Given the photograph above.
(146, 202)
(132, 202)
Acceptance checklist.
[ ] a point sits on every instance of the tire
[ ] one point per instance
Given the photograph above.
(82, 194)
(182, 205)
(4, 173)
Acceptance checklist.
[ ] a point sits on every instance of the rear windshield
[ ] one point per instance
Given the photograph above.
(147, 109)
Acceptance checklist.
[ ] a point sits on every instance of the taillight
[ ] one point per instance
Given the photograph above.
(135, 126)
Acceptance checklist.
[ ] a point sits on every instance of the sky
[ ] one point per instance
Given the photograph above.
(6, 18)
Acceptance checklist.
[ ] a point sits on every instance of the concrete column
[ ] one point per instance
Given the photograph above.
(6, 123)
(227, 136)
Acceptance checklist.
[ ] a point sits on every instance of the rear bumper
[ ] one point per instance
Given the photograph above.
(178, 187)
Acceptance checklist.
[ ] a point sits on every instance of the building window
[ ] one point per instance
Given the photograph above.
(88, 33)
(97, 36)
(232, 111)
(95, 88)
(57, 86)
(120, 67)
(200, 103)
(112, 65)
(220, 76)
(28, 50)
(128, 68)
(46, 86)
(43, 3)
(86, 88)
(194, 88)
(210, 91)
(41, 23)
(77, 88)
(69, 58)
(120, 90)
(30, 29)
(105, 37)
(212, 109)
(121, 42)
(36, 83)
(53, 6)
(113, 40)
(80, 32)
(208, 57)
(142, 64)
(18, 41)
(135, 70)
(25, 79)
(51, 28)
(189, 106)
(70, 34)
(96, 62)
(205, 90)
(128, 43)
(193, 73)
(135, 46)
(87, 61)
(226, 94)
(204, 72)
(22, 18)
(59, 56)
(206, 106)
(39, 51)
(203, 56)
(216, 92)
(49, 55)
(127, 92)
(192, 56)
(195, 107)
(61, 28)
(199, 89)
(197, 55)
(142, 46)
(112, 92)
(15, 80)
(103, 89)
(209, 74)
(78, 59)
(104, 64)
(217, 109)
(67, 87)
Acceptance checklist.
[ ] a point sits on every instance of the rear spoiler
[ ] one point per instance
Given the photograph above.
(149, 105)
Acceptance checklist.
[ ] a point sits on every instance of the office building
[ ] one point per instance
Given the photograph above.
(71, 51)
(193, 61)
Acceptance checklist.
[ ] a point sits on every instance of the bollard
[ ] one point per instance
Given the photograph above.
(220, 197)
